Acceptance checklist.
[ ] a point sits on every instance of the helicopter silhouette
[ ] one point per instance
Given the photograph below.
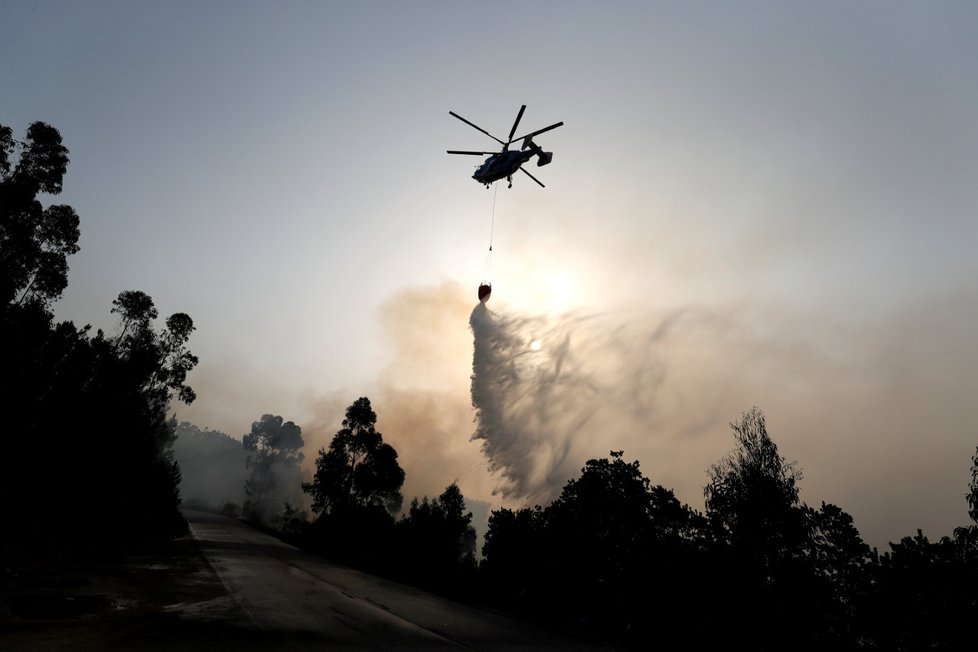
(505, 163)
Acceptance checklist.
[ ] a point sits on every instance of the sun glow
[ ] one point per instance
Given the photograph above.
(536, 345)
(552, 291)
(561, 291)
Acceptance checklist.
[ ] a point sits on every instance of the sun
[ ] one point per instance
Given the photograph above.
(534, 287)
(550, 291)
(536, 345)
(561, 291)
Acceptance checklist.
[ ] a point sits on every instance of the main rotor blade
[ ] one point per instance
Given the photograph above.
(538, 131)
(475, 126)
(532, 177)
(455, 151)
(518, 116)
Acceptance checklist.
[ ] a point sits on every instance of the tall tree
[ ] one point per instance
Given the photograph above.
(58, 379)
(35, 241)
(761, 537)
(516, 557)
(753, 491)
(358, 469)
(162, 359)
(458, 524)
(612, 555)
(274, 457)
(924, 597)
(841, 564)
(621, 535)
(436, 541)
(86, 415)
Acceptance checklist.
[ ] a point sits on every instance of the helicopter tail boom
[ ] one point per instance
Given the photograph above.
(542, 157)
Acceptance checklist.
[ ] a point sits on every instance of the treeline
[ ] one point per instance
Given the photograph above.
(355, 495)
(86, 466)
(618, 558)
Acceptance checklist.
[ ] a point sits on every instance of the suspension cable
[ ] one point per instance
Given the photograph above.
(492, 226)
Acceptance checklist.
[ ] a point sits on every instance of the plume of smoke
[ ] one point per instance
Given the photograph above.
(213, 467)
(856, 399)
(421, 395)
(283, 487)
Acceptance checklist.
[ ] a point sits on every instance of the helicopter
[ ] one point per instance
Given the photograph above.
(505, 163)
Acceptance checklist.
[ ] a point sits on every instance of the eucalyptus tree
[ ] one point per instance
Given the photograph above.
(35, 241)
(274, 458)
(358, 469)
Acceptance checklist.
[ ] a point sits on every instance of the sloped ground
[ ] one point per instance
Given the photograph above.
(165, 598)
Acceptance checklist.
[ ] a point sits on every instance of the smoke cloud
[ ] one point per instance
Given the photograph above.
(877, 411)
(213, 467)
(420, 396)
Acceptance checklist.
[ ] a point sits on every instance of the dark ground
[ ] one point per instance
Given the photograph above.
(164, 598)
(169, 597)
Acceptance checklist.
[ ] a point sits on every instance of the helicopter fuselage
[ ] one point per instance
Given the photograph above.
(501, 166)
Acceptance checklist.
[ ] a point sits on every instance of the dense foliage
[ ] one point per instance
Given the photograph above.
(616, 558)
(434, 544)
(358, 471)
(87, 464)
(36, 241)
(356, 491)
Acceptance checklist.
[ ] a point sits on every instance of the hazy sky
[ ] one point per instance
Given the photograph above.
(750, 203)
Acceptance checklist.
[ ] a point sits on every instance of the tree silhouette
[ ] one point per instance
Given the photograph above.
(924, 597)
(436, 542)
(621, 559)
(797, 564)
(36, 241)
(752, 492)
(87, 464)
(356, 490)
(610, 551)
(621, 535)
(274, 458)
(359, 469)
(837, 576)
(96, 426)
(458, 524)
(515, 567)
(161, 359)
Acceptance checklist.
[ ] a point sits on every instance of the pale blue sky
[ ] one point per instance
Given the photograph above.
(799, 176)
